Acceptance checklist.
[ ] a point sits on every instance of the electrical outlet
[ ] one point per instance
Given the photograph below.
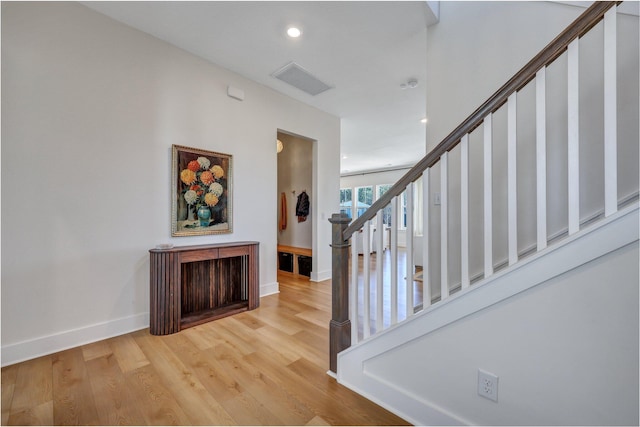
(487, 385)
(436, 199)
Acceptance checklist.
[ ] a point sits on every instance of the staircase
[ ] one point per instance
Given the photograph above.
(539, 287)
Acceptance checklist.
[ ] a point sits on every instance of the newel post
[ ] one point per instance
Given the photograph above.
(340, 326)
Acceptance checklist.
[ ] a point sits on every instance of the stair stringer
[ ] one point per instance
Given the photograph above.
(590, 243)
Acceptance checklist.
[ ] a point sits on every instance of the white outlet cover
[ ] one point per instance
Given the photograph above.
(488, 385)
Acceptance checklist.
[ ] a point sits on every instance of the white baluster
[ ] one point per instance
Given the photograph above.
(573, 137)
(366, 285)
(353, 290)
(464, 211)
(488, 197)
(426, 197)
(393, 297)
(444, 227)
(610, 115)
(379, 261)
(512, 184)
(409, 267)
(541, 158)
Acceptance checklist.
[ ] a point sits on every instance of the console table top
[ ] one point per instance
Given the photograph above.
(201, 247)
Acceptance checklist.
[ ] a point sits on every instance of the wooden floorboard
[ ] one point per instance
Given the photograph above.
(262, 367)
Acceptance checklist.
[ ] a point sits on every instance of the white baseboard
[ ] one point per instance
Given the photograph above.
(42, 346)
(269, 289)
(406, 405)
(320, 276)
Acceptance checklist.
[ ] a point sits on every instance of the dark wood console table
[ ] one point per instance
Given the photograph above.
(191, 285)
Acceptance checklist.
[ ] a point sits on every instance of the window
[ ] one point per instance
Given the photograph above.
(365, 199)
(366, 196)
(346, 201)
(386, 212)
(417, 208)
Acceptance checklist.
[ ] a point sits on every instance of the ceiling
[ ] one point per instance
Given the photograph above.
(365, 50)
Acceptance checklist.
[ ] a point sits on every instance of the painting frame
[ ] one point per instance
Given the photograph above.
(201, 192)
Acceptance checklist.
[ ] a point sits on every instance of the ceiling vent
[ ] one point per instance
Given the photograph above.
(300, 78)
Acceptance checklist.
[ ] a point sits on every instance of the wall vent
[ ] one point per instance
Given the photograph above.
(300, 78)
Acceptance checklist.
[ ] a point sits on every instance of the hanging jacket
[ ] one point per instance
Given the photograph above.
(302, 207)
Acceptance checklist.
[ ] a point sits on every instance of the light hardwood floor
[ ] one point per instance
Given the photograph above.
(262, 367)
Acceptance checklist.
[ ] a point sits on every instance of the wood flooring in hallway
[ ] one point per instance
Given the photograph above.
(262, 367)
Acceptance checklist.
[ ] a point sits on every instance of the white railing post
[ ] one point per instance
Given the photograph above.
(541, 158)
(393, 297)
(512, 183)
(444, 226)
(409, 260)
(353, 289)
(366, 285)
(488, 197)
(573, 137)
(464, 211)
(426, 235)
(610, 115)
(379, 262)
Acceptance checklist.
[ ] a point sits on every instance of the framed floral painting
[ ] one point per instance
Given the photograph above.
(201, 192)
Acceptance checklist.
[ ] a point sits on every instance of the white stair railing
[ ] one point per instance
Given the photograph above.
(396, 278)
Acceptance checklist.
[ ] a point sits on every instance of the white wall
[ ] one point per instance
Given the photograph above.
(492, 41)
(90, 108)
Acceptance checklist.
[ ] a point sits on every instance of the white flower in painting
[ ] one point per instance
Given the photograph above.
(190, 197)
(204, 162)
(216, 189)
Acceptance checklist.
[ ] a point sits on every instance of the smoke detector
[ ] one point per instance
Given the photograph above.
(410, 84)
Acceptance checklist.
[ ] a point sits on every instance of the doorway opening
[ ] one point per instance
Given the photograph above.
(295, 223)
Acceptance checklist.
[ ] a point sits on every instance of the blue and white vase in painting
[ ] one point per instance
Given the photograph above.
(204, 215)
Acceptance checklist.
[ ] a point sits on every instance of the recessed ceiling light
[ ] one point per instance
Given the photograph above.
(293, 32)
(424, 120)
(345, 157)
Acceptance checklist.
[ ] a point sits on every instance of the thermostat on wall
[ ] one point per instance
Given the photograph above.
(236, 93)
